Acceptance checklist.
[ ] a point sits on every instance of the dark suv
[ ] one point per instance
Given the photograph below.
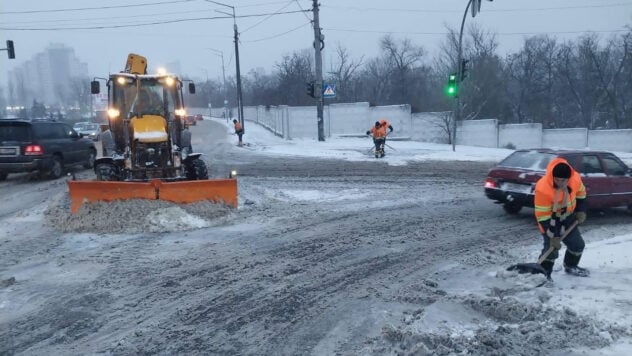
(43, 146)
(607, 179)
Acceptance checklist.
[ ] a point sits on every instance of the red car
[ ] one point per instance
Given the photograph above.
(190, 119)
(607, 179)
(199, 117)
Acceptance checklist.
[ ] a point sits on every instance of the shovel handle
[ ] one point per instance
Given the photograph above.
(551, 248)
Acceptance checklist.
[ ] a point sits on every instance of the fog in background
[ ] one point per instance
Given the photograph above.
(357, 25)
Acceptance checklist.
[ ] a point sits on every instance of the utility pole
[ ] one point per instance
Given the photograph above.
(318, 85)
(240, 104)
(239, 97)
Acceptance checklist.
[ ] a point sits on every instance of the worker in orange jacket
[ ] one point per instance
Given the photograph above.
(559, 201)
(379, 138)
(386, 124)
(239, 130)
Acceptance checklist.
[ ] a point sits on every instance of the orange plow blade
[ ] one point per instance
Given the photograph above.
(216, 190)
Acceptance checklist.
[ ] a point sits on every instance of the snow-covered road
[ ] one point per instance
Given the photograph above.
(330, 252)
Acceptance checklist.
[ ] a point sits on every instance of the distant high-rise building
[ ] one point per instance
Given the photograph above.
(50, 77)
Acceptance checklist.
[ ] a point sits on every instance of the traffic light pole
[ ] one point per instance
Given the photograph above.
(318, 85)
(457, 101)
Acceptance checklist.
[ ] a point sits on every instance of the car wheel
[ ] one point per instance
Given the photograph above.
(91, 157)
(3, 175)
(57, 168)
(512, 208)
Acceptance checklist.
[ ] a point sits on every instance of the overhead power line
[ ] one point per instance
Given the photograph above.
(264, 19)
(280, 34)
(497, 33)
(355, 8)
(138, 24)
(93, 8)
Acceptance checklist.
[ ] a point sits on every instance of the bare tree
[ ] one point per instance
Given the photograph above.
(609, 64)
(293, 72)
(342, 73)
(402, 58)
(531, 78)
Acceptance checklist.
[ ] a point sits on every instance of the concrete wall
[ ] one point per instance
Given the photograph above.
(352, 118)
(520, 135)
(610, 140)
(398, 115)
(482, 133)
(302, 122)
(356, 118)
(430, 127)
(566, 138)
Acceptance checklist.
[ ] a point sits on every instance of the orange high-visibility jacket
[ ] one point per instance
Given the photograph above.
(545, 195)
(237, 126)
(378, 132)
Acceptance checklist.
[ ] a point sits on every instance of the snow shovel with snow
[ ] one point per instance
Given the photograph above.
(535, 268)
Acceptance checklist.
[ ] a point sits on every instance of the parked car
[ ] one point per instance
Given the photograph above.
(88, 129)
(43, 146)
(190, 119)
(607, 179)
(199, 117)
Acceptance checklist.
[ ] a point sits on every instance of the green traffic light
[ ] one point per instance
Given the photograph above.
(451, 89)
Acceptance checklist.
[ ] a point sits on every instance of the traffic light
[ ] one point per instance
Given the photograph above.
(452, 88)
(310, 89)
(10, 49)
(464, 63)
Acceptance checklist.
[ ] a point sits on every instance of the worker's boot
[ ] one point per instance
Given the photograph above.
(548, 268)
(571, 261)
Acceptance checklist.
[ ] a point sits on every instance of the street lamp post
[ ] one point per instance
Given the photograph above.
(476, 7)
(240, 104)
(221, 54)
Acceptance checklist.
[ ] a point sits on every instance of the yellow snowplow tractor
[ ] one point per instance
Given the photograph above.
(146, 142)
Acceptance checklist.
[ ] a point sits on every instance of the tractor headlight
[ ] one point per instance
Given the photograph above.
(113, 113)
(181, 112)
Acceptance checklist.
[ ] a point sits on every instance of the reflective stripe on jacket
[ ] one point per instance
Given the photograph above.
(547, 197)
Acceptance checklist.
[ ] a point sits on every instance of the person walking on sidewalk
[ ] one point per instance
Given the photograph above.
(239, 130)
(379, 137)
(560, 199)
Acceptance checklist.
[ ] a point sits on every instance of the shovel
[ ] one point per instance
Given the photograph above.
(535, 268)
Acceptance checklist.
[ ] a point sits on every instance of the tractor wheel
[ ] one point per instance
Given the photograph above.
(196, 170)
(106, 172)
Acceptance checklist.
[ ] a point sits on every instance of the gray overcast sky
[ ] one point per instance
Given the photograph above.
(355, 24)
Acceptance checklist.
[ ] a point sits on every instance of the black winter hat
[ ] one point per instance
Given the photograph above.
(562, 170)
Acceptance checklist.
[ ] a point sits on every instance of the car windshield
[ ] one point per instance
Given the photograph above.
(532, 160)
(91, 127)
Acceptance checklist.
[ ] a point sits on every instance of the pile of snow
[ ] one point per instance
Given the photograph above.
(134, 216)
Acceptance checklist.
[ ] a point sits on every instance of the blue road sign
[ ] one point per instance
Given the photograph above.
(329, 90)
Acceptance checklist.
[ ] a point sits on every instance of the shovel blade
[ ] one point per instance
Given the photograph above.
(533, 268)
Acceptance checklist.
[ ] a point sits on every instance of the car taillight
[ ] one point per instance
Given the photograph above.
(33, 150)
(490, 183)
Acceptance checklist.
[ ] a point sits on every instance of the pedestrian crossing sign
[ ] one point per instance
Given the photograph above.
(329, 91)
